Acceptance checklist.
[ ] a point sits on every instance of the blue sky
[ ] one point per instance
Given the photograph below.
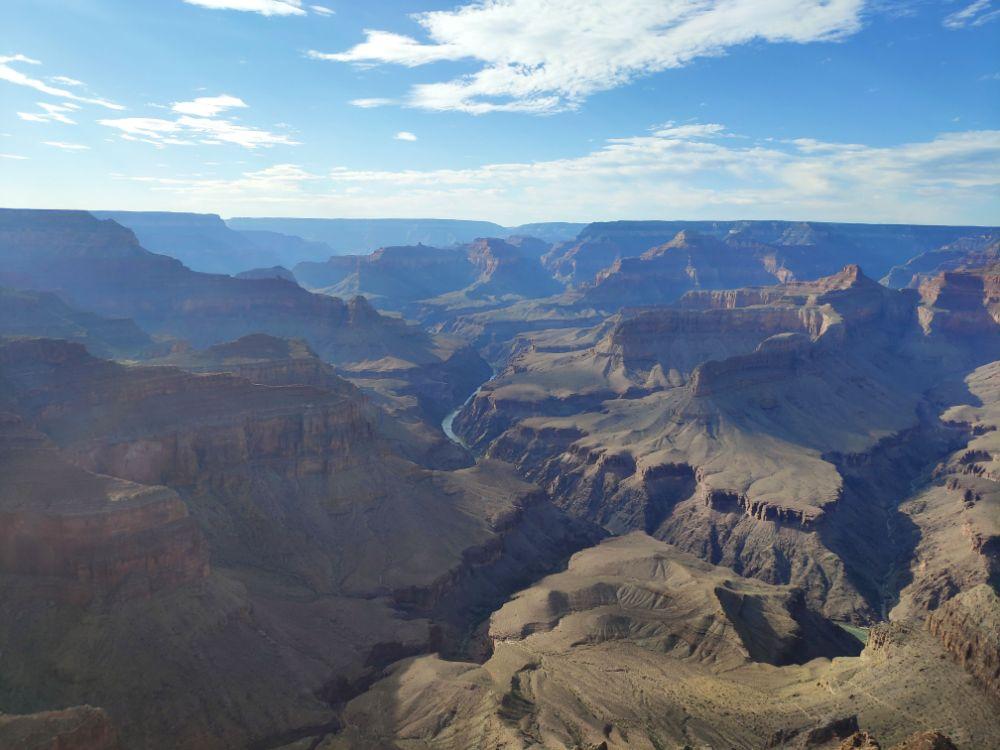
(511, 110)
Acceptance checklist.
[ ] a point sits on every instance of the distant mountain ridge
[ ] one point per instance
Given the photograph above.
(359, 236)
(805, 249)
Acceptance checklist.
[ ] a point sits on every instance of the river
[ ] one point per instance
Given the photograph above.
(447, 424)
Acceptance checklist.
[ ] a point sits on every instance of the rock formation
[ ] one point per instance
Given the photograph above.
(633, 647)
(34, 314)
(78, 728)
(771, 445)
(969, 627)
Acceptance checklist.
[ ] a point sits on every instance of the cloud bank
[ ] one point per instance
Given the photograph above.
(198, 122)
(548, 55)
(673, 171)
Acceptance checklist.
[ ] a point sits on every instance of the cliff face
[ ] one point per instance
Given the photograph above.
(956, 511)
(29, 313)
(392, 276)
(962, 303)
(201, 242)
(975, 251)
(969, 627)
(78, 728)
(420, 279)
(94, 534)
(510, 268)
(663, 273)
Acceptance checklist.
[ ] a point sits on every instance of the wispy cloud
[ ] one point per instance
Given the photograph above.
(51, 113)
(372, 102)
(276, 183)
(18, 157)
(208, 106)
(405, 135)
(673, 171)
(546, 55)
(264, 7)
(974, 14)
(67, 146)
(198, 123)
(12, 75)
(65, 81)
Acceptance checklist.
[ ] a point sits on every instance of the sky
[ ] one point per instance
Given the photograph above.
(511, 111)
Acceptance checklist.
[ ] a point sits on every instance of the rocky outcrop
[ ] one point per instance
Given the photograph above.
(663, 273)
(274, 272)
(26, 313)
(775, 359)
(94, 534)
(962, 303)
(928, 740)
(509, 268)
(427, 282)
(969, 627)
(201, 242)
(78, 728)
(262, 359)
(970, 252)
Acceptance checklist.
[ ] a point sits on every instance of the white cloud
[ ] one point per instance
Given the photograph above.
(197, 124)
(372, 102)
(264, 7)
(546, 55)
(13, 156)
(66, 81)
(11, 75)
(322, 10)
(673, 171)
(51, 113)
(208, 106)
(67, 146)
(405, 135)
(271, 183)
(974, 14)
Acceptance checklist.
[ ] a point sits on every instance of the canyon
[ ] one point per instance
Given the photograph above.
(621, 485)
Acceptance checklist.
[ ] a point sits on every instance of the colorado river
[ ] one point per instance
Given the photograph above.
(447, 424)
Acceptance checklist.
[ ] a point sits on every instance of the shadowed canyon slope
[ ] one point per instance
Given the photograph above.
(261, 516)
(663, 485)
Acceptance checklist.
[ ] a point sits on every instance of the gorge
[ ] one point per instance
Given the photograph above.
(652, 508)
